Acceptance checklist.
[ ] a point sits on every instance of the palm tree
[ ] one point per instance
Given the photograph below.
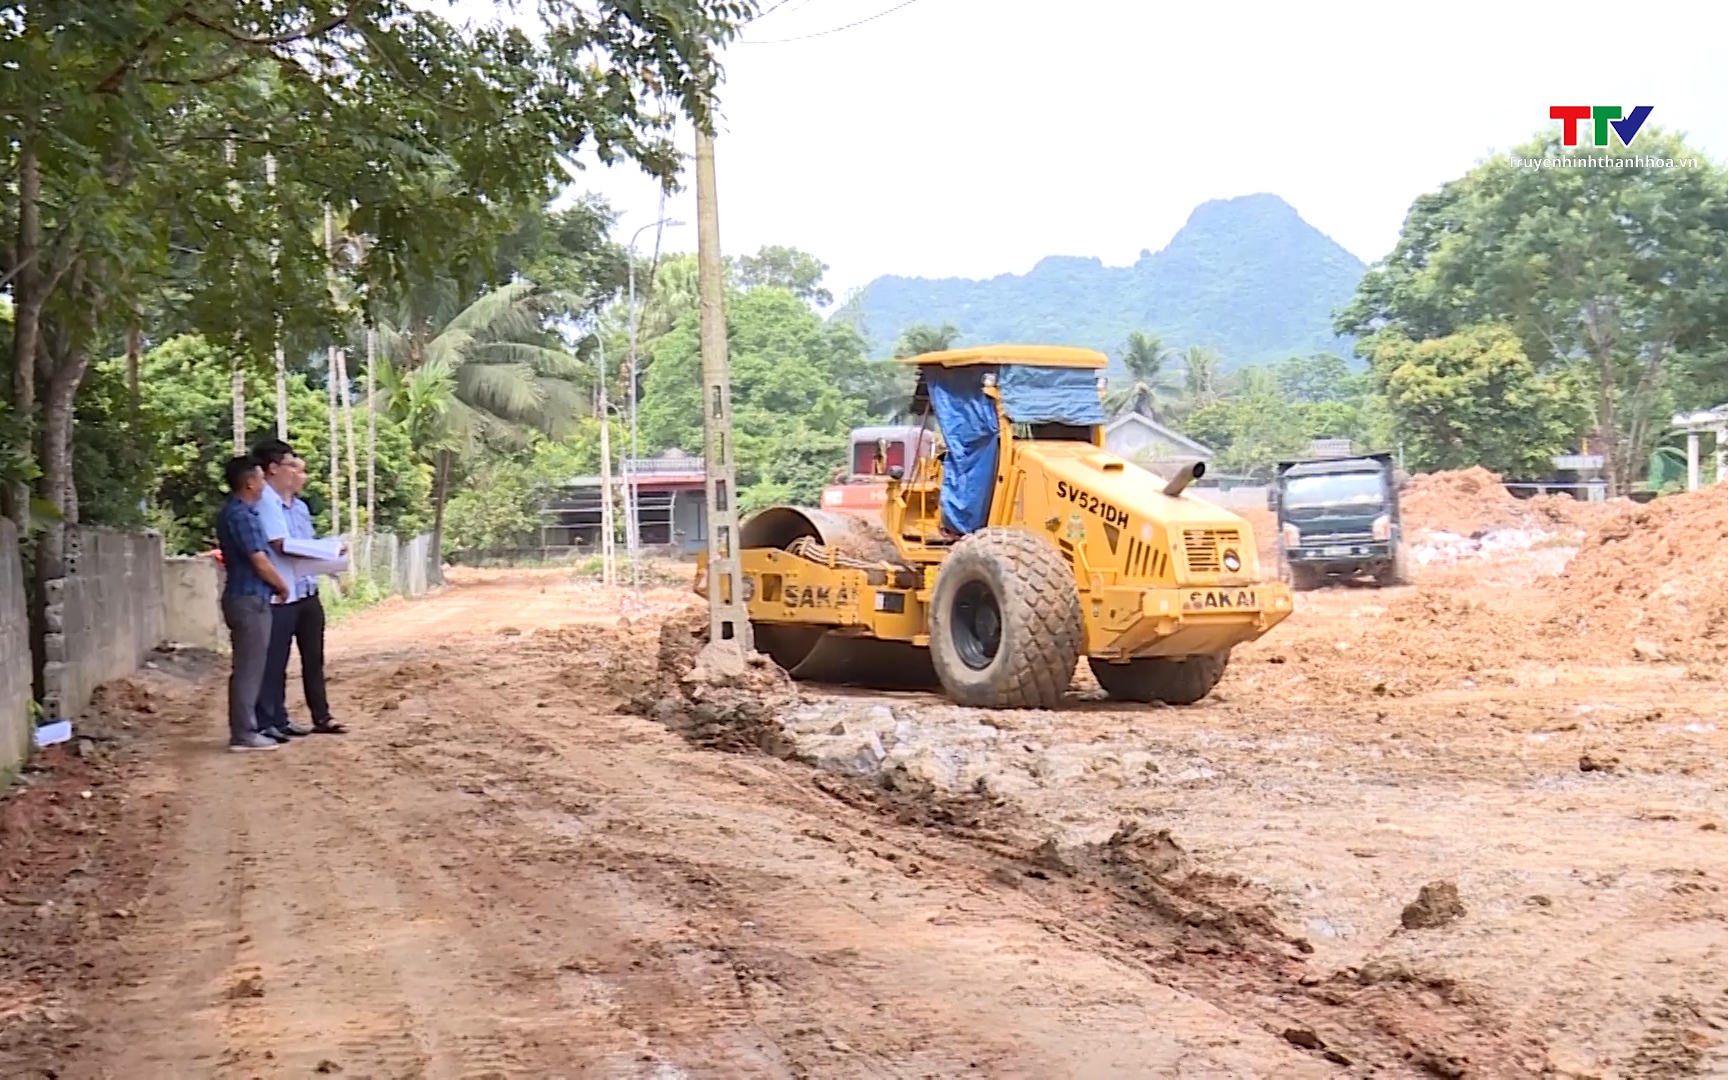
(923, 338)
(488, 371)
(1200, 377)
(1146, 358)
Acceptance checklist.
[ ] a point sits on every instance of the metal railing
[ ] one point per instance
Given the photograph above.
(664, 466)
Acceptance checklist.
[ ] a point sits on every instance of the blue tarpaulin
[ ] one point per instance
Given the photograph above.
(1050, 395)
(969, 427)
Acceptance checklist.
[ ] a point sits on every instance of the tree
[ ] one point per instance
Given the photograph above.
(171, 454)
(489, 370)
(568, 251)
(139, 135)
(921, 339)
(1618, 271)
(1318, 378)
(1266, 413)
(777, 267)
(1202, 371)
(1475, 398)
(1252, 426)
(795, 394)
(1147, 360)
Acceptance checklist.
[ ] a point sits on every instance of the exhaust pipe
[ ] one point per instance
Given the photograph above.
(1179, 483)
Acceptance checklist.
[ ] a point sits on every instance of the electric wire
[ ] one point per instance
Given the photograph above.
(833, 30)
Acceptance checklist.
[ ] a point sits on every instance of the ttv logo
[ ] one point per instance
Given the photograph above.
(1605, 116)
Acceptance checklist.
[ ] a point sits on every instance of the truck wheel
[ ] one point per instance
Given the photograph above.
(1398, 573)
(1304, 578)
(1005, 621)
(1174, 682)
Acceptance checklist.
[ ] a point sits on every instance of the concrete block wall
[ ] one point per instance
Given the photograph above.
(103, 617)
(16, 730)
(192, 587)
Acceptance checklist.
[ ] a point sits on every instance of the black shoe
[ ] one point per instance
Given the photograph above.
(273, 733)
(295, 732)
(328, 727)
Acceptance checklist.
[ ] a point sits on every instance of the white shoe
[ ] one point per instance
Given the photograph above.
(253, 741)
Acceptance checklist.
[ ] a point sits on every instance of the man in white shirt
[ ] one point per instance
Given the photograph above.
(308, 629)
(277, 460)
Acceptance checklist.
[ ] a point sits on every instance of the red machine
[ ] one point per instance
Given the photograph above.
(863, 488)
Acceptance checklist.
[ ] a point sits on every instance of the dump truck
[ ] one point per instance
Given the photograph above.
(1338, 519)
(1016, 547)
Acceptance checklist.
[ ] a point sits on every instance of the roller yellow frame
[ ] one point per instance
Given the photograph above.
(1084, 554)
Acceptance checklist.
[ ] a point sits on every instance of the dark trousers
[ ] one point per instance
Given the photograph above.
(300, 623)
(249, 632)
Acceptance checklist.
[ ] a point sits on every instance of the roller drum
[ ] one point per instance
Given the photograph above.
(812, 654)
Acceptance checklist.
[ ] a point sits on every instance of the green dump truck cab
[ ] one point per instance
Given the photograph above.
(1338, 520)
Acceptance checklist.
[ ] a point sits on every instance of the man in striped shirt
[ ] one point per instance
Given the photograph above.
(309, 623)
(301, 619)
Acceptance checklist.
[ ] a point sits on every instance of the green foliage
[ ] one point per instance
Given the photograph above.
(798, 386)
(498, 508)
(111, 461)
(435, 135)
(358, 594)
(491, 368)
(1261, 415)
(171, 166)
(1246, 276)
(499, 505)
(921, 338)
(568, 251)
(1202, 377)
(774, 267)
(672, 297)
(186, 403)
(1147, 361)
(1476, 398)
(1619, 271)
(17, 464)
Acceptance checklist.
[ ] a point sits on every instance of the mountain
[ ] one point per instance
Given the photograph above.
(1246, 276)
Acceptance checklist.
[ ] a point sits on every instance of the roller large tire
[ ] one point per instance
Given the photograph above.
(1005, 621)
(1174, 682)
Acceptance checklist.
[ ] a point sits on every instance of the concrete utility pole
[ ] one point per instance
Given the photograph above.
(371, 434)
(335, 365)
(276, 285)
(728, 620)
(238, 373)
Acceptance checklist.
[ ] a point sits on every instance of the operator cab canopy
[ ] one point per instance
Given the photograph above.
(1055, 356)
(1054, 390)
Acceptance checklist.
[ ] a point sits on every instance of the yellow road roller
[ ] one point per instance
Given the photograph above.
(1012, 545)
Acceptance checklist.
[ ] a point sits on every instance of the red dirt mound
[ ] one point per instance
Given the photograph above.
(1657, 572)
(1463, 501)
(1471, 501)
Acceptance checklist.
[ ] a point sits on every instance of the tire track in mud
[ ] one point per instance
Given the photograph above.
(693, 989)
(855, 990)
(1140, 899)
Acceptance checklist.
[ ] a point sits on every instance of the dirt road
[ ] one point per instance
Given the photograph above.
(503, 873)
(499, 875)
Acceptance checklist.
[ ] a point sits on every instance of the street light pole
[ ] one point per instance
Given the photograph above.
(608, 572)
(632, 526)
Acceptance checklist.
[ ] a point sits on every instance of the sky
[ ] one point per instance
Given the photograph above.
(973, 137)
